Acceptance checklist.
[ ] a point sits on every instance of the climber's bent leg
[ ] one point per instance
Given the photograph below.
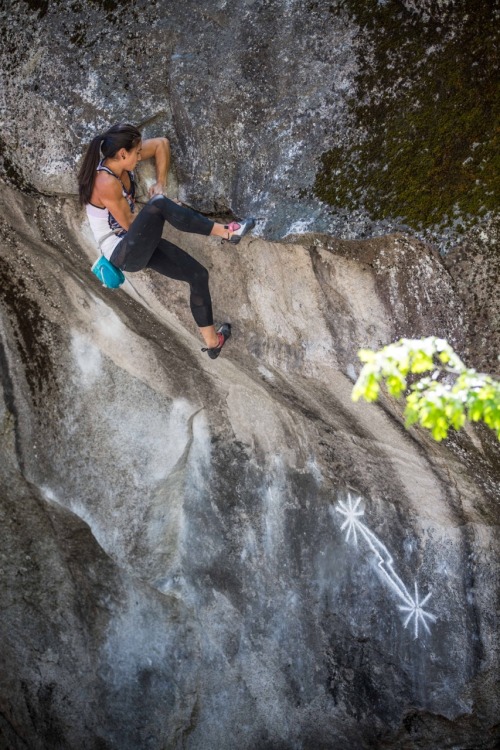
(171, 261)
(135, 250)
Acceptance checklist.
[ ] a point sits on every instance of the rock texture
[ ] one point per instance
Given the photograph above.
(230, 554)
(175, 572)
(249, 94)
(356, 118)
(474, 266)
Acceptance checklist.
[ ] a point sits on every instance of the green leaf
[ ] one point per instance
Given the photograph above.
(421, 362)
(395, 385)
(372, 388)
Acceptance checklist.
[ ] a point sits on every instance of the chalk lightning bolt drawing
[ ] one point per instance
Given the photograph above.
(412, 605)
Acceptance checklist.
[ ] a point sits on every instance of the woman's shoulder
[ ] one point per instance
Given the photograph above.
(106, 186)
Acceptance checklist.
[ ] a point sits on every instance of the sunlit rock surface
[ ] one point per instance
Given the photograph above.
(230, 554)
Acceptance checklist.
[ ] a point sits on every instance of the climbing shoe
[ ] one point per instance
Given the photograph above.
(223, 334)
(239, 229)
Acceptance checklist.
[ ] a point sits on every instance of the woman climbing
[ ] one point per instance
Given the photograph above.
(132, 241)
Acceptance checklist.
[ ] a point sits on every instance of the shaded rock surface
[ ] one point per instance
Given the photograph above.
(176, 568)
(342, 116)
(474, 266)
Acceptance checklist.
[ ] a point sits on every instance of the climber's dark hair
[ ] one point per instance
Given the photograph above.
(105, 145)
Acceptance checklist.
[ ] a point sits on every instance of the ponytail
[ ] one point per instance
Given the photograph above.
(101, 147)
(87, 173)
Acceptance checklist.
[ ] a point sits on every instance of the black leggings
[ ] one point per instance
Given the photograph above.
(143, 247)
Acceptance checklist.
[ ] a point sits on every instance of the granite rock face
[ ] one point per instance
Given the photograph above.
(230, 554)
(474, 266)
(356, 118)
(249, 94)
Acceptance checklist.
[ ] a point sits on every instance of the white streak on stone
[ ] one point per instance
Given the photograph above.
(267, 374)
(249, 547)
(87, 358)
(301, 226)
(109, 324)
(314, 470)
(272, 520)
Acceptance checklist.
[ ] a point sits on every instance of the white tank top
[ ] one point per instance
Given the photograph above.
(106, 230)
(106, 238)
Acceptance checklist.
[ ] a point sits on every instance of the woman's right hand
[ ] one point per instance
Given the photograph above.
(157, 189)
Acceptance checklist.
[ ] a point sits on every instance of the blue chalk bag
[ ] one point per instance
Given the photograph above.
(109, 275)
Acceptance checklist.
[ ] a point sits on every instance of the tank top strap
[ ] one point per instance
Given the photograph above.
(102, 168)
(132, 184)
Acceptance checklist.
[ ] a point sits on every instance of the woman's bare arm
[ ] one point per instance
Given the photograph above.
(108, 190)
(159, 149)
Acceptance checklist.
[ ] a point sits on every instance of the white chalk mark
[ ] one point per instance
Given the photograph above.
(418, 613)
(352, 513)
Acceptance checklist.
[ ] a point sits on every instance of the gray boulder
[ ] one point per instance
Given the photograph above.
(232, 554)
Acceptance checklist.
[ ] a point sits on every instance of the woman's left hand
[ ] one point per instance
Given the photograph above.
(157, 189)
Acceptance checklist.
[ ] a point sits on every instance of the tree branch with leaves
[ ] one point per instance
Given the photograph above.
(448, 395)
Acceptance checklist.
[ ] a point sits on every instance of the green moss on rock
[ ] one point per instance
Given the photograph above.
(427, 116)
